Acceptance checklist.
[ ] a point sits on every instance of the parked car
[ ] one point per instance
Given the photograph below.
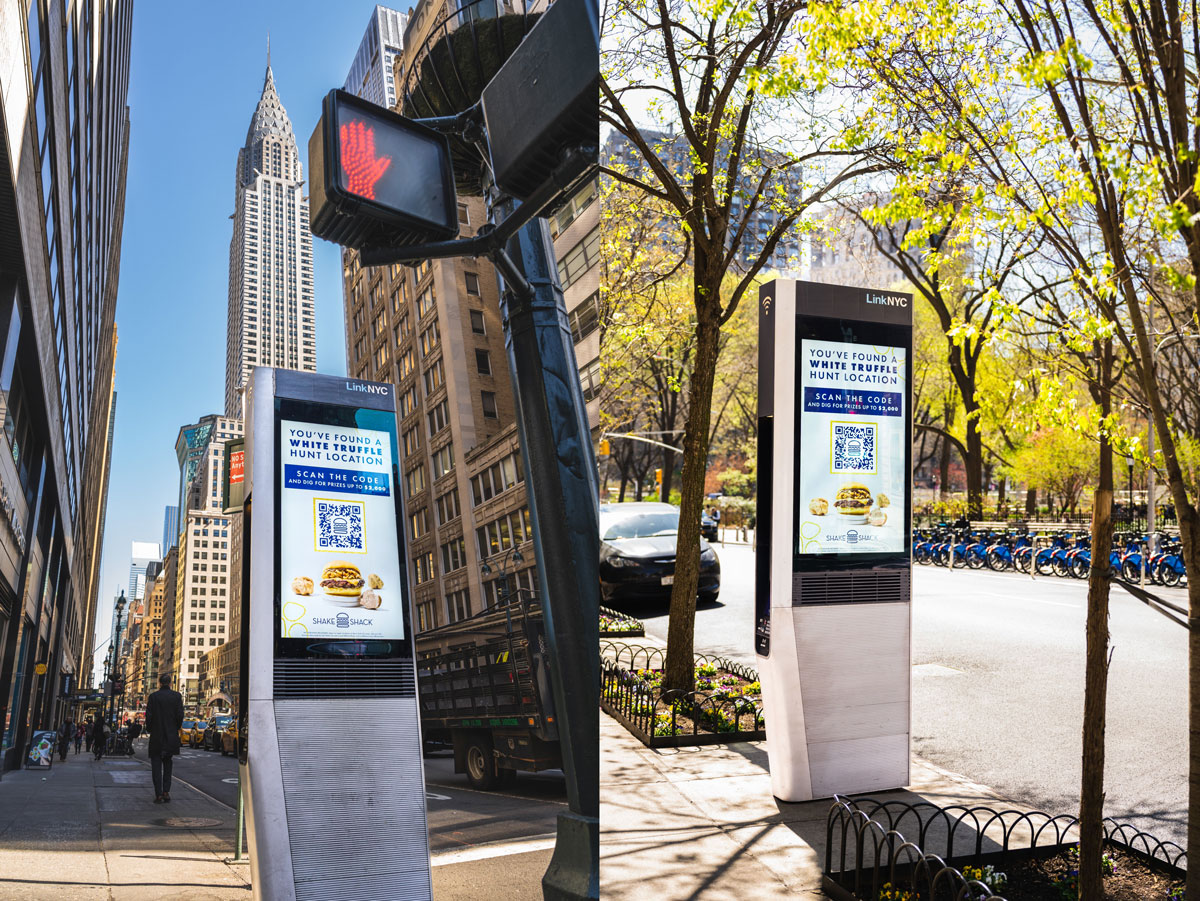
(211, 740)
(637, 553)
(708, 527)
(229, 738)
(185, 731)
(196, 736)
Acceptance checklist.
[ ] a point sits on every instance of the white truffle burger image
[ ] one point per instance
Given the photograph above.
(342, 579)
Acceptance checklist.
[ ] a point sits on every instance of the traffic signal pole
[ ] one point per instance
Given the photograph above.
(560, 472)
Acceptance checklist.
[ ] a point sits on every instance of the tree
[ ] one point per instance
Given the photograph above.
(725, 75)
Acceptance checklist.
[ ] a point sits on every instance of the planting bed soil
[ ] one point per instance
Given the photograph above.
(1053, 879)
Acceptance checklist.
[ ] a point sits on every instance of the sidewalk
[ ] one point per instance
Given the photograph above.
(88, 830)
(701, 823)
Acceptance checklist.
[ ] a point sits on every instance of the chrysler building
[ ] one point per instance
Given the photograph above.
(271, 321)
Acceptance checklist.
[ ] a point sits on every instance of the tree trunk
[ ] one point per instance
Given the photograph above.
(1001, 492)
(944, 471)
(680, 670)
(973, 467)
(1031, 501)
(624, 485)
(1095, 692)
(668, 471)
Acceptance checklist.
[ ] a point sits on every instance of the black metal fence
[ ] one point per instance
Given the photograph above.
(866, 849)
(662, 719)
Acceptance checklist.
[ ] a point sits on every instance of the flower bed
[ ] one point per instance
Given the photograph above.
(726, 705)
(614, 624)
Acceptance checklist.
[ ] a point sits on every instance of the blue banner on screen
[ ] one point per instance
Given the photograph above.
(866, 403)
(347, 481)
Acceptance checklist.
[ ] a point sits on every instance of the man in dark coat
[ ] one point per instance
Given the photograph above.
(164, 716)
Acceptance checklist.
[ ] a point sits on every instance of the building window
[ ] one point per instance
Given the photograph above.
(589, 379)
(489, 404)
(579, 259)
(430, 339)
(425, 302)
(483, 361)
(454, 555)
(435, 377)
(418, 523)
(498, 477)
(443, 461)
(412, 441)
(406, 364)
(477, 324)
(439, 417)
(447, 507)
(464, 214)
(426, 616)
(414, 480)
(458, 605)
(423, 568)
(585, 318)
(472, 280)
(408, 401)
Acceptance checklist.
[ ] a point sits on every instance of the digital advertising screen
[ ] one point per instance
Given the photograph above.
(852, 463)
(339, 566)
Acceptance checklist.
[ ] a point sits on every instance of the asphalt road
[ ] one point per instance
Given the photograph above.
(998, 685)
(503, 839)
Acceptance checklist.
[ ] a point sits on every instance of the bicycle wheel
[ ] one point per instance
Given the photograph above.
(1044, 564)
(1021, 561)
(1060, 566)
(1170, 576)
(975, 558)
(1080, 567)
(996, 561)
(1130, 571)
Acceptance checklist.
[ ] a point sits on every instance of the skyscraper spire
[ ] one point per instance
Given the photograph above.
(268, 49)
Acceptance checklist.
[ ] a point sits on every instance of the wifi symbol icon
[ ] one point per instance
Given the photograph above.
(766, 305)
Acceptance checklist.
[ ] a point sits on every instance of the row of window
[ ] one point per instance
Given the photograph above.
(500, 476)
(505, 532)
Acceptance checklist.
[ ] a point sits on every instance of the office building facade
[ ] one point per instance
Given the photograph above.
(64, 76)
(270, 319)
(170, 534)
(371, 76)
(202, 579)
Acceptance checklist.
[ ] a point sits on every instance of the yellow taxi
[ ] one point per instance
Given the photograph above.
(229, 739)
(185, 731)
(195, 738)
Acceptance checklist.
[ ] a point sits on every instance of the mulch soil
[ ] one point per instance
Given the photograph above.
(1131, 879)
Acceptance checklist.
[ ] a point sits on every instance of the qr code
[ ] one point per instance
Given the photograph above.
(339, 525)
(853, 448)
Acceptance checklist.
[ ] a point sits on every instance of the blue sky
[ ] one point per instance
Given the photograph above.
(196, 75)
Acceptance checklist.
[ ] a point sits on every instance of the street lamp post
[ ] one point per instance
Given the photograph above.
(114, 650)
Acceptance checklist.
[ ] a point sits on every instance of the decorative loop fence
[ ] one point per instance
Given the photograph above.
(950, 851)
(726, 707)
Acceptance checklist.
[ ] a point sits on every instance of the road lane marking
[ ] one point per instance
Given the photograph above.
(232, 781)
(493, 849)
(431, 796)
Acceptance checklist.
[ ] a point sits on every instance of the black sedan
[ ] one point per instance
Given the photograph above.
(708, 527)
(637, 553)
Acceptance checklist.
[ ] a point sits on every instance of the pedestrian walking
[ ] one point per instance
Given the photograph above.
(65, 733)
(80, 732)
(164, 717)
(98, 736)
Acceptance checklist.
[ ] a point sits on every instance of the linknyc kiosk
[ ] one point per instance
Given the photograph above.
(833, 568)
(329, 740)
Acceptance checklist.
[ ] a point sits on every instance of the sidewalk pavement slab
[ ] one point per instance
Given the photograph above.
(684, 824)
(89, 829)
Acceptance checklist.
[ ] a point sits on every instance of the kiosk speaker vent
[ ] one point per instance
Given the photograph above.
(345, 679)
(861, 587)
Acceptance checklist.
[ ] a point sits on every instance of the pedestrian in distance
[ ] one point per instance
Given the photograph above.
(65, 733)
(80, 732)
(135, 729)
(164, 717)
(98, 736)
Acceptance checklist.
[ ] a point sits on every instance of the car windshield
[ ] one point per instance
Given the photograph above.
(187, 724)
(200, 724)
(221, 720)
(643, 525)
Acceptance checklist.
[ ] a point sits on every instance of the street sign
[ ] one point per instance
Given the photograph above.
(40, 754)
(833, 567)
(378, 178)
(234, 477)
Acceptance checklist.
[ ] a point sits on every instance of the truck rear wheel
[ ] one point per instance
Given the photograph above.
(481, 764)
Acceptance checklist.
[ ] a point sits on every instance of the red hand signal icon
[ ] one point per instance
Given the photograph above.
(359, 162)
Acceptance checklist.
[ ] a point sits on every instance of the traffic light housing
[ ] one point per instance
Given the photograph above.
(605, 450)
(658, 478)
(378, 179)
